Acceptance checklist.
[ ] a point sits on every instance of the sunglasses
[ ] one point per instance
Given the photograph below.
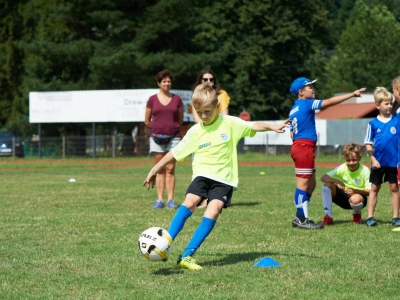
(208, 79)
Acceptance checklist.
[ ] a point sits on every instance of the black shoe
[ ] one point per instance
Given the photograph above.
(307, 224)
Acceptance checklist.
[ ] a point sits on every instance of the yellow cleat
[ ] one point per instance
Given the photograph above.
(189, 263)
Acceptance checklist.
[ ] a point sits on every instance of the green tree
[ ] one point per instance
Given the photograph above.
(367, 54)
(165, 40)
(263, 47)
(11, 58)
(256, 48)
(64, 45)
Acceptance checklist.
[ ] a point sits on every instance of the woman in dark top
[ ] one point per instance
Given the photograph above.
(164, 115)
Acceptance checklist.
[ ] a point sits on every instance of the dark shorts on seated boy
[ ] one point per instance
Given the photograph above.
(342, 199)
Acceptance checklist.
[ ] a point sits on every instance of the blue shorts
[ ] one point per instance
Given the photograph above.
(154, 147)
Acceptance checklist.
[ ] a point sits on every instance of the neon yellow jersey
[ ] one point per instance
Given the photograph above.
(214, 148)
(359, 179)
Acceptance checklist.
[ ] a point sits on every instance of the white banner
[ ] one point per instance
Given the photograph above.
(96, 106)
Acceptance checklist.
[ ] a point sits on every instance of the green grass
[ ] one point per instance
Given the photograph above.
(61, 240)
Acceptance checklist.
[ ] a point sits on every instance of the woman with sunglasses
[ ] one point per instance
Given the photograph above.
(209, 77)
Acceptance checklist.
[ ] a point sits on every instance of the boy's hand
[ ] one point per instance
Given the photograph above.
(376, 164)
(280, 127)
(340, 185)
(350, 192)
(150, 180)
(357, 93)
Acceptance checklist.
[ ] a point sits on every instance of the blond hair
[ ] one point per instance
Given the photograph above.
(203, 93)
(382, 94)
(352, 147)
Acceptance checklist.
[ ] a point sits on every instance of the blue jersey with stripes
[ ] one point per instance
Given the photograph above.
(302, 115)
(397, 117)
(382, 134)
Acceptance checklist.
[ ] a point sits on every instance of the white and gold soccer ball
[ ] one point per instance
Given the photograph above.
(155, 244)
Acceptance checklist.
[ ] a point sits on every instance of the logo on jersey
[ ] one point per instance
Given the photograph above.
(357, 181)
(224, 137)
(204, 145)
(379, 130)
(393, 130)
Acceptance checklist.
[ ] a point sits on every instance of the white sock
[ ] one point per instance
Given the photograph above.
(305, 208)
(327, 200)
(357, 208)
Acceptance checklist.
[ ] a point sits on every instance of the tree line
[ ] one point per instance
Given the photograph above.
(256, 48)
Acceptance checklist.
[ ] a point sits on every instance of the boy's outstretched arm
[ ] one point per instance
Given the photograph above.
(151, 177)
(260, 126)
(339, 99)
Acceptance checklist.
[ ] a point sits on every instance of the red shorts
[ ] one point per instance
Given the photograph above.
(303, 155)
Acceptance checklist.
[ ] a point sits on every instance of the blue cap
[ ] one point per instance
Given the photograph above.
(300, 83)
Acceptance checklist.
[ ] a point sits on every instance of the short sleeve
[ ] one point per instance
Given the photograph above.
(150, 102)
(317, 104)
(240, 127)
(370, 135)
(333, 173)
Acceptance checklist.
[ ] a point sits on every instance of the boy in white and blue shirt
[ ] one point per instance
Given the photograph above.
(381, 142)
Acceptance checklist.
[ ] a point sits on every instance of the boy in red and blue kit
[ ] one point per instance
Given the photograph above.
(304, 135)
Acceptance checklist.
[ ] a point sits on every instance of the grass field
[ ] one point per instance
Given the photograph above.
(62, 240)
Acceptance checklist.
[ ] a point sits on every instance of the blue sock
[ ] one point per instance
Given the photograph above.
(308, 197)
(199, 236)
(300, 197)
(178, 221)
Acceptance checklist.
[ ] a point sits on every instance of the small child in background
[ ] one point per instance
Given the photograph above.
(347, 185)
(381, 143)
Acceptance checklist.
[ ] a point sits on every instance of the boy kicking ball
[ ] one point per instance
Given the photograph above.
(347, 185)
(215, 166)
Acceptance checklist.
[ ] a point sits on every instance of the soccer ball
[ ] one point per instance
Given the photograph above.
(155, 244)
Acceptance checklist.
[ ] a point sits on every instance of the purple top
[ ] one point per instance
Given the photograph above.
(165, 119)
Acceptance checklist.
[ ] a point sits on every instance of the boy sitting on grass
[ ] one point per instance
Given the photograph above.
(215, 166)
(347, 185)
